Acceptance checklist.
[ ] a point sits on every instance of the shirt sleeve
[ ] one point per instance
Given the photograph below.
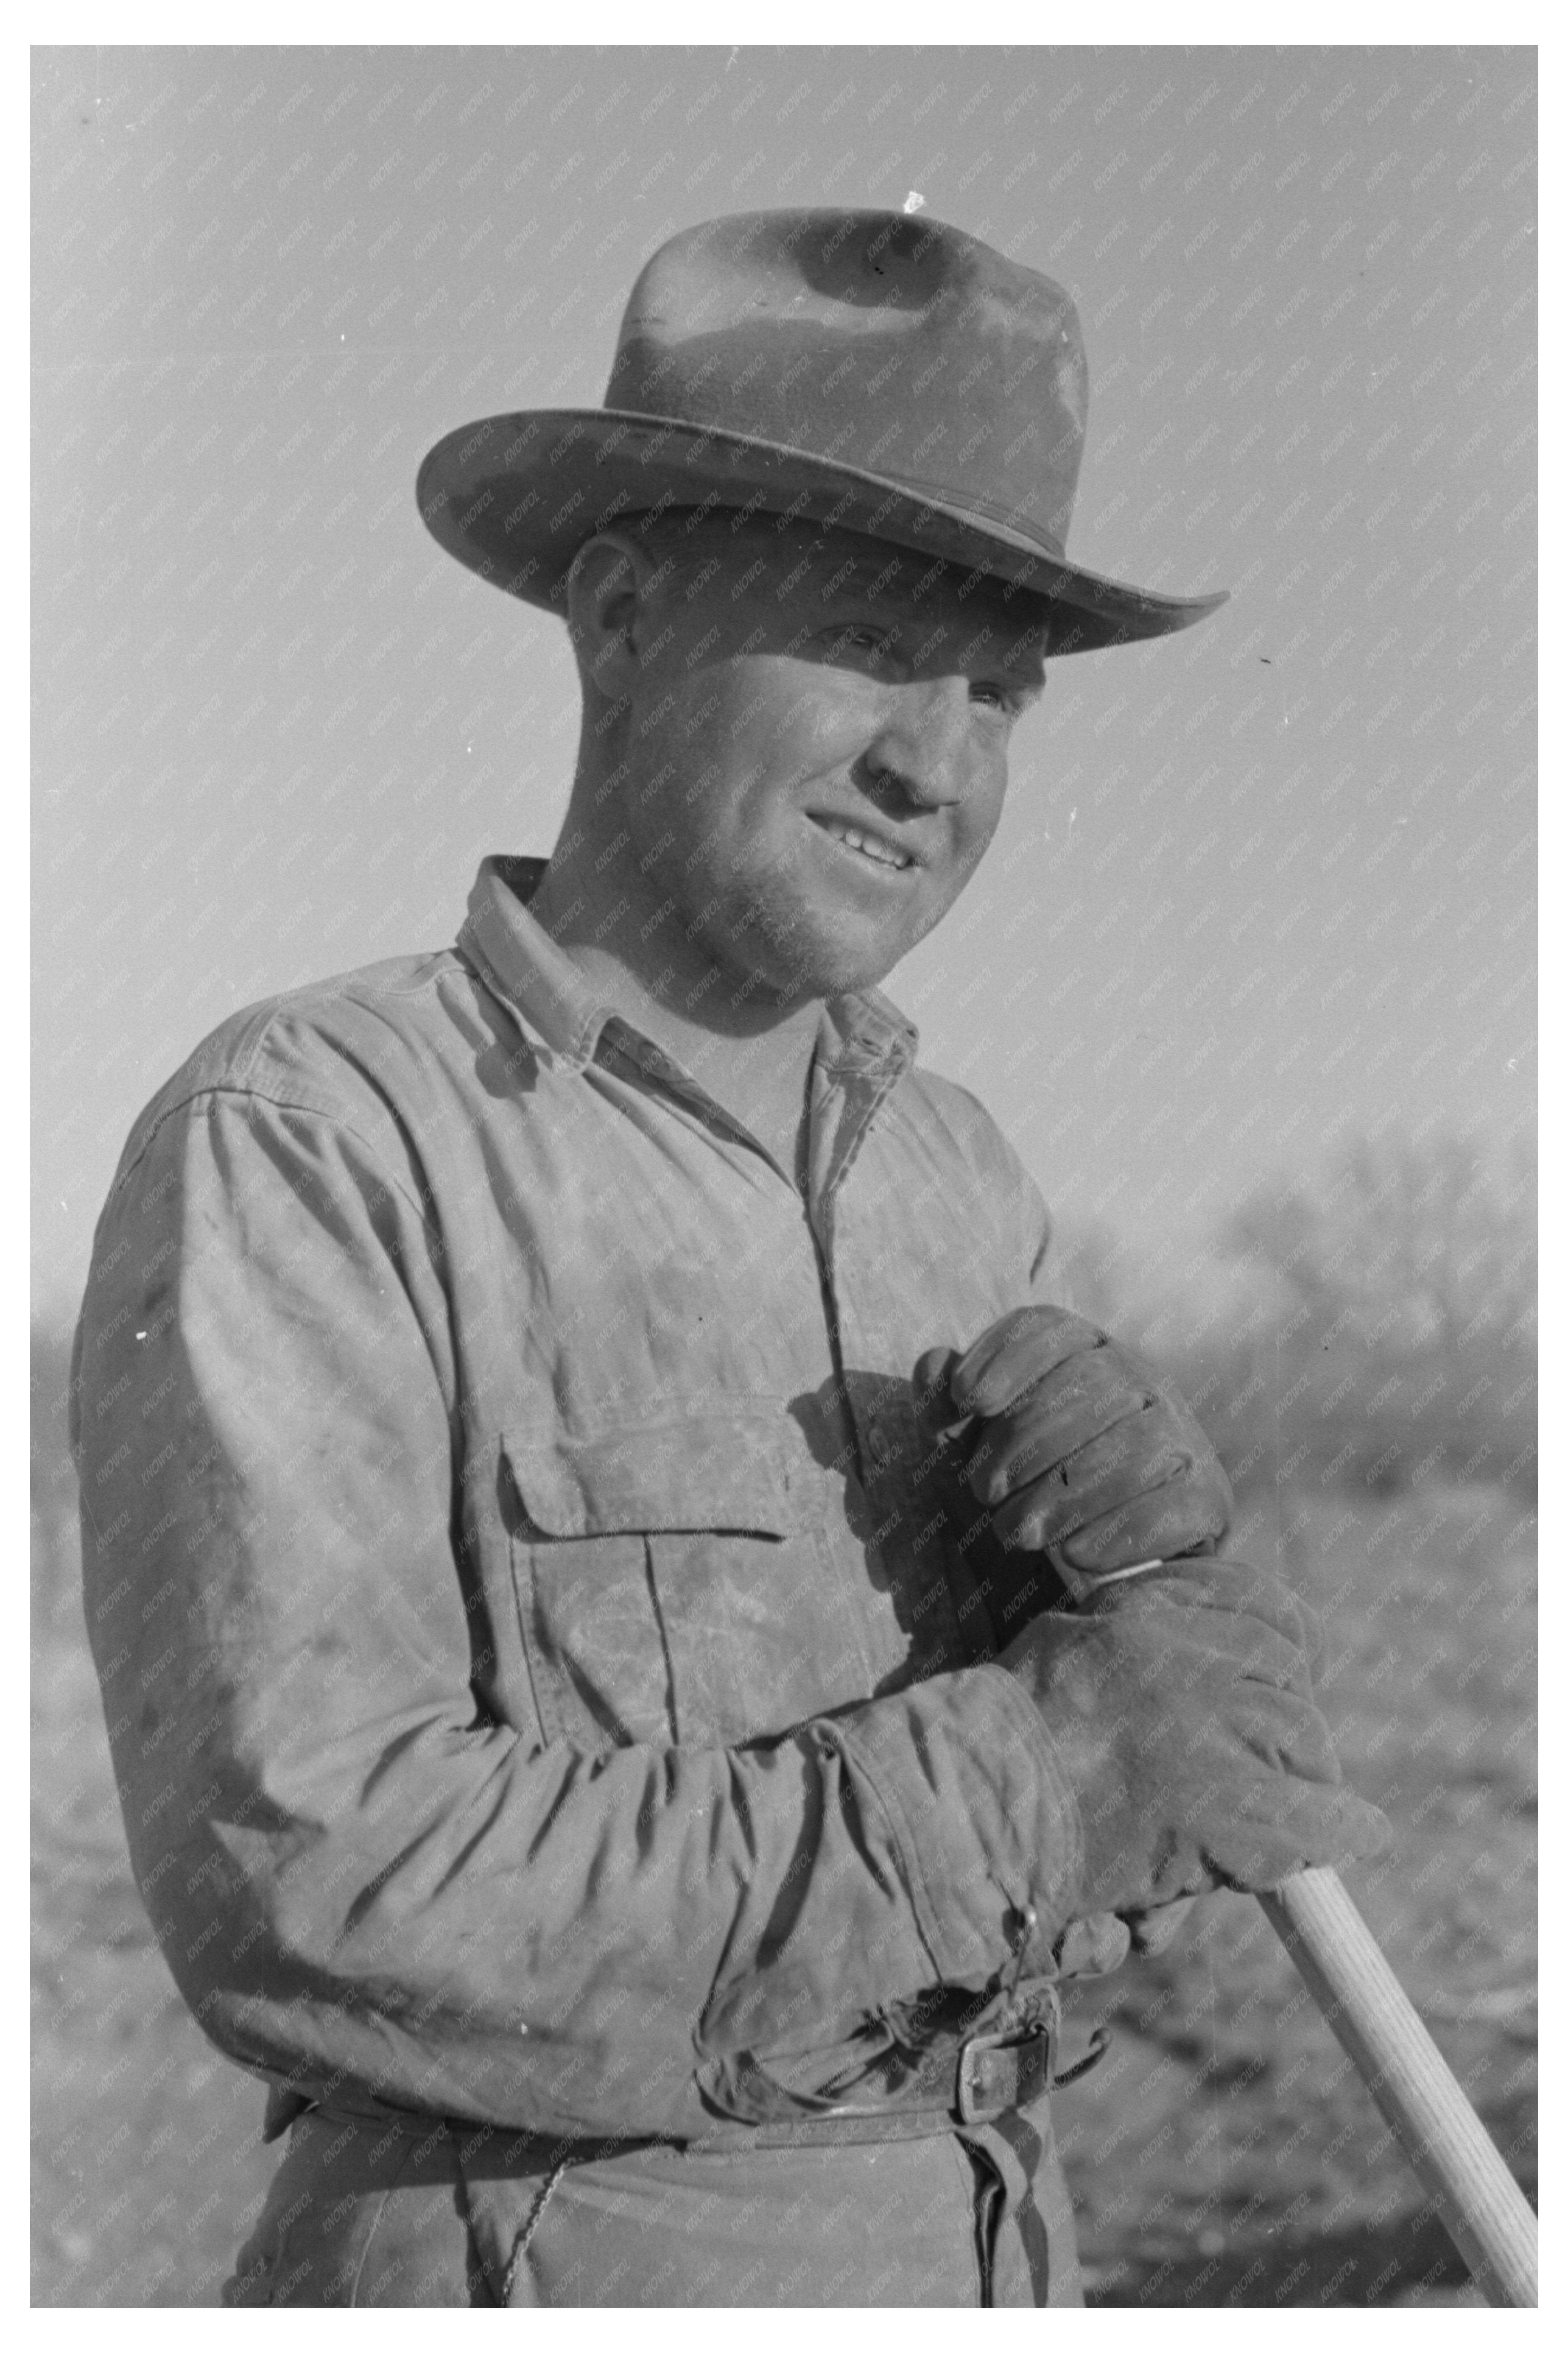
(364, 1884)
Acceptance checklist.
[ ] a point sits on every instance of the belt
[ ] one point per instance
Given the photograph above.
(985, 2077)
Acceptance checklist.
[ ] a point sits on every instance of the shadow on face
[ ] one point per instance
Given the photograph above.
(761, 583)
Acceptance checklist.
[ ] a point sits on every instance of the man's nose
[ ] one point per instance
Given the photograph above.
(925, 747)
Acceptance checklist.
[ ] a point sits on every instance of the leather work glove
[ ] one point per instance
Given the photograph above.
(1076, 1448)
(1180, 1707)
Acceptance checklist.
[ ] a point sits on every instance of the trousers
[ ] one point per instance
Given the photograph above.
(363, 2213)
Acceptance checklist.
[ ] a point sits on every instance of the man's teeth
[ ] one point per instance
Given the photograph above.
(869, 846)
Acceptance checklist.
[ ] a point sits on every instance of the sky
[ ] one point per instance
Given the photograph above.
(1259, 889)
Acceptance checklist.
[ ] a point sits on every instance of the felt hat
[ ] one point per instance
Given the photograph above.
(877, 371)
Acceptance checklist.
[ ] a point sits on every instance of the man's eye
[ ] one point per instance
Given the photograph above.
(858, 640)
(985, 690)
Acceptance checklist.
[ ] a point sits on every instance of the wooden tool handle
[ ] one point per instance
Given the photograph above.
(1480, 2205)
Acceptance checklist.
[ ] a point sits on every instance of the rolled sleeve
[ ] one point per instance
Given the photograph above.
(985, 1822)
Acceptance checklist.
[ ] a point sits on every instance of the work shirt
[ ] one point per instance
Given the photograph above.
(549, 1673)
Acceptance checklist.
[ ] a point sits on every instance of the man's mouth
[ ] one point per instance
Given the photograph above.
(872, 847)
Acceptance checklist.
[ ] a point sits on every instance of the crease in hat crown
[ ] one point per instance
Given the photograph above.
(881, 371)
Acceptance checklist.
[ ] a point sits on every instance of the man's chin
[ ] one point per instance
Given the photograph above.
(805, 969)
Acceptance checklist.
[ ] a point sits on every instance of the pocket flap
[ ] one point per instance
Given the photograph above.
(696, 1472)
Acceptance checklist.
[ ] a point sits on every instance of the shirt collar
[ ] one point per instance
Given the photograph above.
(523, 964)
(860, 1033)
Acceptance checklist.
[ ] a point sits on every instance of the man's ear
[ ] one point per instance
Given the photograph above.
(608, 592)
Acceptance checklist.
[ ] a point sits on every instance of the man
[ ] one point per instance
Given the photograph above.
(577, 1446)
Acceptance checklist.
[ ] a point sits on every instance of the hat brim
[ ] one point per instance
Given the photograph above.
(513, 497)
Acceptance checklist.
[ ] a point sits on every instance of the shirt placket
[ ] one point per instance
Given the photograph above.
(849, 1090)
(845, 1093)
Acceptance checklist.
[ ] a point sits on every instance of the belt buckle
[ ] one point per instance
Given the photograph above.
(997, 2072)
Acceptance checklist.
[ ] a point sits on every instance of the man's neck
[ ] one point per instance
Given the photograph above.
(751, 1054)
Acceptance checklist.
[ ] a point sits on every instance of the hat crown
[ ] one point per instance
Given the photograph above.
(888, 342)
(877, 372)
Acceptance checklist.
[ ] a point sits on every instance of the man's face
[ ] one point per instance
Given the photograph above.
(818, 741)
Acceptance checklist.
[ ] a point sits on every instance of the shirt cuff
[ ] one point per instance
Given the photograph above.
(984, 1822)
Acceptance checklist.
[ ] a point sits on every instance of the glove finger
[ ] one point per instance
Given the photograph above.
(1066, 1412)
(1016, 1352)
(1091, 1946)
(933, 1380)
(1131, 1458)
(1312, 1829)
(1275, 1718)
(1271, 1601)
(1362, 1830)
(1154, 1933)
(1198, 1444)
(1050, 1513)
(1164, 1524)
(1050, 1426)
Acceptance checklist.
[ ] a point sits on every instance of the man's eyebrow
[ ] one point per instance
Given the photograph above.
(860, 580)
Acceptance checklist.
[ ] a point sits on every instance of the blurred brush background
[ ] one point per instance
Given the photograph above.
(1362, 1345)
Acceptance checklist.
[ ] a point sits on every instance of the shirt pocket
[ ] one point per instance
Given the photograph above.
(677, 1584)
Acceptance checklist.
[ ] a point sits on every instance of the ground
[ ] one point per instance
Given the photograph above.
(1224, 2152)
